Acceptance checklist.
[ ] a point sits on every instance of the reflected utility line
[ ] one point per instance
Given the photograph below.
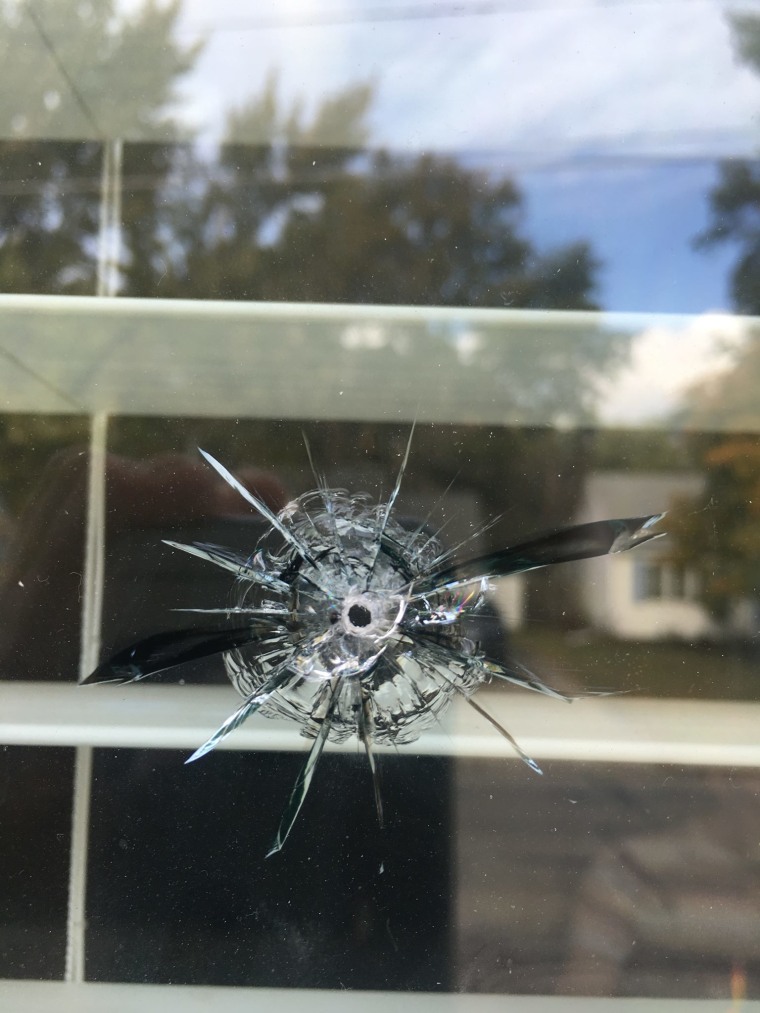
(413, 12)
(512, 163)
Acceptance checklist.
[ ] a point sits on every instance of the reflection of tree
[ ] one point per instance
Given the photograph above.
(735, 201)
(308, 214)
(125, 69)
(735, 207)
(718, 536)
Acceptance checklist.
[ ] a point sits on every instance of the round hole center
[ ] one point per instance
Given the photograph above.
(359, 615)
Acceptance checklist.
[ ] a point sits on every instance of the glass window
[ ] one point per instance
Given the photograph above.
(292, 235)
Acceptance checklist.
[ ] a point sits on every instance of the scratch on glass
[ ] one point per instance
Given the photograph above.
(350, 624)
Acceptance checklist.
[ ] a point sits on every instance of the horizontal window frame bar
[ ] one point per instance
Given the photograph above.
(609, 729)
(86, 305)
(94, 997)
(321, 361)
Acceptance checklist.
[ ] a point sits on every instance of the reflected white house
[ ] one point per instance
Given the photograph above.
(641, 595)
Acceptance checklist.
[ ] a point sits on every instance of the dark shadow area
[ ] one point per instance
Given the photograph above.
(43, 486)
(35, 826)
(180, 891)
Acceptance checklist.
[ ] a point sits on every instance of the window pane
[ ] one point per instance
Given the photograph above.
(283, 234)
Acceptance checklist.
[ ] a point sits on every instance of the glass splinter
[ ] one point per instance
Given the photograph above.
(348, 623)
(250, 706)
(302, 785)
(503, 731)
(364, 728)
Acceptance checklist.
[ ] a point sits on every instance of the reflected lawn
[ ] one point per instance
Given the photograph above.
(588, 659)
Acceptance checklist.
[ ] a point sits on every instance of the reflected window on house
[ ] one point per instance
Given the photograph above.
(654, 579)
(678, 582)
(647, 580)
